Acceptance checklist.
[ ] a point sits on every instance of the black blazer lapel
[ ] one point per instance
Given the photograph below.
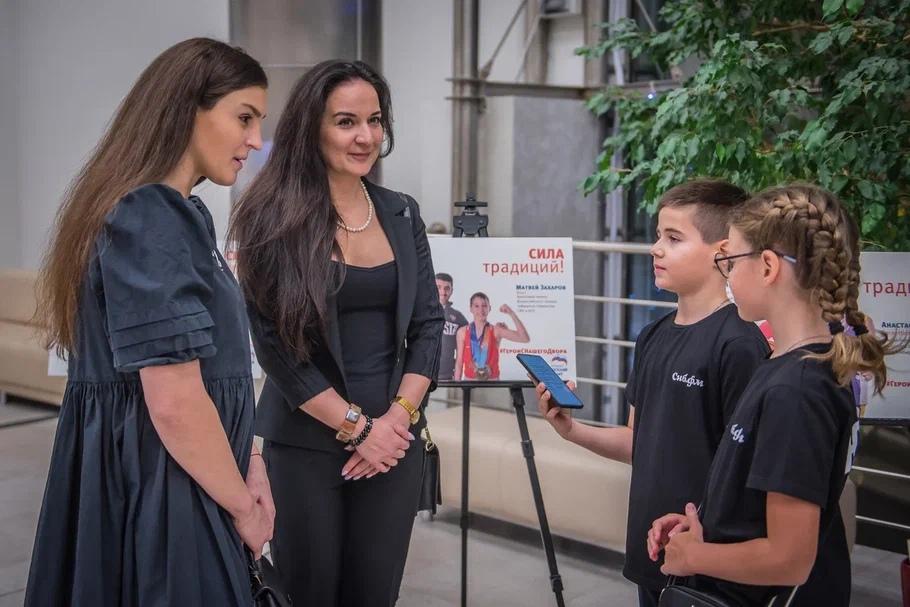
(334, 338)
(394, 215)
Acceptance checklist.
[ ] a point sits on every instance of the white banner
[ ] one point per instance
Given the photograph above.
(884, 297)
(502, 297)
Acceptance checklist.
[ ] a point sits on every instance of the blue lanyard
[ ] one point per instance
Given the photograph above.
(479, 351)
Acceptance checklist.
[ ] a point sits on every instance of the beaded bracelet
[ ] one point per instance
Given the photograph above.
(358, 440)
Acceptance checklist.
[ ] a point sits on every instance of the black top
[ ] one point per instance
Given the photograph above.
(121, 522)
(684, 386)
(793, 432)
(417, 326)
(453, 321)
(366, 319)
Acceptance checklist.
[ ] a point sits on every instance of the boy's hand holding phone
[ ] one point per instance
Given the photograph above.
(559, 418)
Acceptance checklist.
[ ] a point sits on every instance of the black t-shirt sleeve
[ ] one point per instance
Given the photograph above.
(632, 381)
(738, 360)
(795, 444)
(155, 265)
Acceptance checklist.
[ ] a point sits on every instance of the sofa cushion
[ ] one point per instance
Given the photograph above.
(18, 288)
(23, 362)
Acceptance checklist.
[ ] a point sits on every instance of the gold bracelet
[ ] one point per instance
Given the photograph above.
(346, 432)
(413, 412)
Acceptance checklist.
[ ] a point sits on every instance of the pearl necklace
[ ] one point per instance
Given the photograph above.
(344, 226)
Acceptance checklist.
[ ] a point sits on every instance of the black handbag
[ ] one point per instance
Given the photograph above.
(683, 596)
(265, 584)
(430, 483)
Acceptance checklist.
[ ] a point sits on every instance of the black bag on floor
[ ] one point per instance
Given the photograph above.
(265, 584)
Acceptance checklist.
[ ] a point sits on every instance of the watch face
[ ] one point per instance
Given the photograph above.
(352, 416)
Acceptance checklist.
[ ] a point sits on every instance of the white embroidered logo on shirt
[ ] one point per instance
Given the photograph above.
(690, 381)
(738, 434)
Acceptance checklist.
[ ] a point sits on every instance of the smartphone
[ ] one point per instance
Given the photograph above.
(542, 372)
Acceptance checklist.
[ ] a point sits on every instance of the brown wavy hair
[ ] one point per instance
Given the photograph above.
(284, 225)
(810, 224)
(143, 144)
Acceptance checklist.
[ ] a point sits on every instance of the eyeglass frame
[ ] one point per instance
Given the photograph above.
(719, 258)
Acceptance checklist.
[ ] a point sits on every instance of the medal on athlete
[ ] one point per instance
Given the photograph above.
(479, 353)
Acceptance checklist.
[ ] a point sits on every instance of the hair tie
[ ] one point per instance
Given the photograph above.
(860, 330)
(835, 327)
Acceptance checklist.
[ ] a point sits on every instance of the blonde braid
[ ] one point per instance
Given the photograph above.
(828, 257)
(809, 223)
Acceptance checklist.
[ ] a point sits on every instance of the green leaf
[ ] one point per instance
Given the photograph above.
(854, 6)
(721, 151)
(822, 42)
(872, 216)
(866, 189)
(844, 35)
(831, 6)
(849, 150)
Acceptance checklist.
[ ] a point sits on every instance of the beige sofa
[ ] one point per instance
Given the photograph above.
(23, 360)
(586, 496)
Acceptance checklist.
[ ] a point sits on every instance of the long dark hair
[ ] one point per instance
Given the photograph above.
(143, 144)
(284, 224)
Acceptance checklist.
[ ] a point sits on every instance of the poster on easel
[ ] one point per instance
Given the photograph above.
(884, 297)
(502, 297)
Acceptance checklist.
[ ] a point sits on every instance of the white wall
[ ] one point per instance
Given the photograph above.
(74, 63)
(417, 59)
(65, 66)
(10, 249)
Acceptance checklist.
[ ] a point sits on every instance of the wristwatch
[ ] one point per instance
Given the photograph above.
(346, 432)
(413, 411)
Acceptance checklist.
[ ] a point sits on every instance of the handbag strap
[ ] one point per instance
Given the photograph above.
(672, 579)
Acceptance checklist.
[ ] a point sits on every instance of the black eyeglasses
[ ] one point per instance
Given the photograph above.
(724, 263)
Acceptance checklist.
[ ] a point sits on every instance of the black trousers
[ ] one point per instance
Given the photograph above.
(647, 597)
(341, 543)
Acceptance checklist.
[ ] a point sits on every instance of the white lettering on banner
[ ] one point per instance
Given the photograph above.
(690, 381)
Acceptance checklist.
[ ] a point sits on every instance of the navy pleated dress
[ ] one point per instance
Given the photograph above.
(122, 524)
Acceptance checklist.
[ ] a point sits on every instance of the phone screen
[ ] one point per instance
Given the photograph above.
(543, 372)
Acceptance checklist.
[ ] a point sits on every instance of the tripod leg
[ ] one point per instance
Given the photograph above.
(527, 447)
(465, 442)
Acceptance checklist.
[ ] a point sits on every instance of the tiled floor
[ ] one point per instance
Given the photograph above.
(502, 572)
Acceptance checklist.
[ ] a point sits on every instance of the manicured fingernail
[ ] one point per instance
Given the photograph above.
(410, 436)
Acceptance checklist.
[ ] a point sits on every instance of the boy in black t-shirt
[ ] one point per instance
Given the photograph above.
(690, 368)
(770, 512)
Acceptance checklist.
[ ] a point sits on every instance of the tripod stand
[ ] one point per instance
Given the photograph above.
(471, 223)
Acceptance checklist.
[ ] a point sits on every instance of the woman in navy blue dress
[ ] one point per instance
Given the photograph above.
(154, 485)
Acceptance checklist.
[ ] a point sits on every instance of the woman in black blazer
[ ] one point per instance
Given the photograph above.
(346, 323)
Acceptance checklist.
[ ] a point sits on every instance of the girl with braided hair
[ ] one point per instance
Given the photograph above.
(770, 521)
